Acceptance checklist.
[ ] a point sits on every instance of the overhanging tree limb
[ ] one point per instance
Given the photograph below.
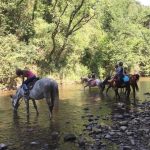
(77, 26)
(56, 31)
(34, 8)
(19, 2)
(73, 14)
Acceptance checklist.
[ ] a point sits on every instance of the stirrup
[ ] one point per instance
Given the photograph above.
(26, 92)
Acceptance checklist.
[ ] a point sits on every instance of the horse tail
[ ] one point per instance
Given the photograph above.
(136, 86)
(137, 78)
(57, 91)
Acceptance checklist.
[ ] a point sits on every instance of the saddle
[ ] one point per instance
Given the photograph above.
(31, 84)
(121, 82)
(93, 82)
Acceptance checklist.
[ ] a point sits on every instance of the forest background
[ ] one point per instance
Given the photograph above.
(67, 39)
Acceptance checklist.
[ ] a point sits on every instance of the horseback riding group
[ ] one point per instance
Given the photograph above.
(121, 79)
(35, 89)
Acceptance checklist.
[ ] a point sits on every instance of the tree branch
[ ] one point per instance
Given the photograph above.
(56, 31)
(18, 3)
(34, 8)
(73, 14)
(78, 25)
(56, 1)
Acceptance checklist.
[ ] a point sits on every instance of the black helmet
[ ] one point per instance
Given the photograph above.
(120, 63)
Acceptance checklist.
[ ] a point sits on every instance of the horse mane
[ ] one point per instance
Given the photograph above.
(84, 79)
(106, 79)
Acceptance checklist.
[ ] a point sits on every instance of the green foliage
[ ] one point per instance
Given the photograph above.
(73, 37)
(15, 54)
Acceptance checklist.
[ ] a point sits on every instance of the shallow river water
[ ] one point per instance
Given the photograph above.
(40, 133)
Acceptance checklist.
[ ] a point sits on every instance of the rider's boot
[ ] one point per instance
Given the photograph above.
(26, 94)
(26, 91)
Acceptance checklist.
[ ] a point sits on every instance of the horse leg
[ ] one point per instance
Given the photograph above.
(133, 87)
(128, 91)
(108, 88)
(85, 86)
(50, 106)
(89, 88)
(136, 86)
(35, 106)
(27, 106)
(101, 87)
(116, 93)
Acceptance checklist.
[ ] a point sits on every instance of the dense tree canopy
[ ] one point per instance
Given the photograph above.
(73, 37)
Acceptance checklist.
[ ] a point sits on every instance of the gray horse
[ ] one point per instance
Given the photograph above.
(43, 88)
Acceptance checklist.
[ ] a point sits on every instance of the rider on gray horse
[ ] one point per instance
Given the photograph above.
(25, 74)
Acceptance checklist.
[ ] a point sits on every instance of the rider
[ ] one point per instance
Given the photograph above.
(91, 78)
(25, 74)
(119, 72)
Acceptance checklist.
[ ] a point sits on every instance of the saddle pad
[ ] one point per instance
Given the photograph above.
(31, 84)
(126, 78)
(93, 82)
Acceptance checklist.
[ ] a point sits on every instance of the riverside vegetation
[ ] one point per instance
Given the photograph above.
(69, 39)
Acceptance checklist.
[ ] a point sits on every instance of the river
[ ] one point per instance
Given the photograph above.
(40, 133)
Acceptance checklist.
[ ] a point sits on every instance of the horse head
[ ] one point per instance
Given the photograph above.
(133, 81)
(106, 79)
(15, 98)
(137, 77)
(81, 80)
(105, 82)
(84, 79)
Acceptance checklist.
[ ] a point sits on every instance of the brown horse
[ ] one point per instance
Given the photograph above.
(89, 82)
(116, 84)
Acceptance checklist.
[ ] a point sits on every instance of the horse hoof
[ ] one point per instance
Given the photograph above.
(50, 116)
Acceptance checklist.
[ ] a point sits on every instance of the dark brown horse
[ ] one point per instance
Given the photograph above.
(116, 84)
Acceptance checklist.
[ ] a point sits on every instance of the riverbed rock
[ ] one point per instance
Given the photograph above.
(129, 130)
(126, 148)
(123, 123)
(82, 141)
(34, 143)
(54, 135)
(123, 128)
(69, 137)
(86, 108)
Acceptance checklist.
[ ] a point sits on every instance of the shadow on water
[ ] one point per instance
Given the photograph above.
(39, 133)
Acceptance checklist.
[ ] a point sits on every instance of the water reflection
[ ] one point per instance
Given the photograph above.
(19, 131)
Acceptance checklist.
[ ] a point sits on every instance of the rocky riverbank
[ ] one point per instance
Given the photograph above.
(130, 130)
